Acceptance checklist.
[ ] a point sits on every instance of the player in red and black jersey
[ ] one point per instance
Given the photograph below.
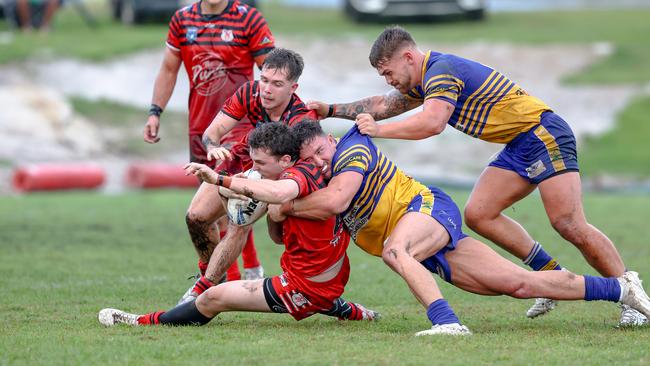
(218, 42)
(315, 264)
(272, 98)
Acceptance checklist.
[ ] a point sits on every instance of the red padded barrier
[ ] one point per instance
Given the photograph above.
(52, 177)
(157, 175)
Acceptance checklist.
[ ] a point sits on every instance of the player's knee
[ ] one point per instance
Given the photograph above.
(569, 227)
(520, 289)
(212, 298)
(194, 219)
(393, 253)
(473, 217)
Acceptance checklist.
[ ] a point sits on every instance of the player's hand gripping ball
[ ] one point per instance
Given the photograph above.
(242, 212)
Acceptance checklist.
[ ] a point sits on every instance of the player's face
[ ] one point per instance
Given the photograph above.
(320, 151)
(268, 165)
(397, 72)
(275, 88)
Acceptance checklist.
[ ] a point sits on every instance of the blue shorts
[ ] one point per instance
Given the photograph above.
(546, 150)
(446, 212)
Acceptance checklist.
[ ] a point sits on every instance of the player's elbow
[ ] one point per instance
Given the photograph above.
(338, 204)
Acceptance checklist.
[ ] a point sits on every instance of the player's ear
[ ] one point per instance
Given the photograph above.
(294, 87)
(285, 161)
(407, 54)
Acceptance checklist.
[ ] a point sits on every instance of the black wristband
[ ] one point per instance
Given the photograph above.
(330, 113)
(155, 110)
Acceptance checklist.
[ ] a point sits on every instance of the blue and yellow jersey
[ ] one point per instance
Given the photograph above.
(488, 105)
(384, 194)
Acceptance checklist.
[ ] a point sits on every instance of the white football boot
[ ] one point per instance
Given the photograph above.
(631, 317)
(541, 307)
(454, 329)
(632, 293)
(109, 317)
(189, 295)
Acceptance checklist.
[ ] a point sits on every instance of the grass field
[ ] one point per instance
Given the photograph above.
(63, 257)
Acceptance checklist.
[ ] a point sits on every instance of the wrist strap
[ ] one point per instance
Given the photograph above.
(224, 181)
(331, 111)
(155, 110)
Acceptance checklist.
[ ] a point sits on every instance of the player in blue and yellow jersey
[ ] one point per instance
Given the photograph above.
(540, 148)
(418, 229)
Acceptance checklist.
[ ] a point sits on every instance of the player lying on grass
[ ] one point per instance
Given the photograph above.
(418, 230)
(315, 264)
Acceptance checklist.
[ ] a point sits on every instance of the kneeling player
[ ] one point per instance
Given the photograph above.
(315, 264)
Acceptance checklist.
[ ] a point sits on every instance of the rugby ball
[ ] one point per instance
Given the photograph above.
(242, 212)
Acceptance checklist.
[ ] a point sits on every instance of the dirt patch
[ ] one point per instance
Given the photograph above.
(37, 123)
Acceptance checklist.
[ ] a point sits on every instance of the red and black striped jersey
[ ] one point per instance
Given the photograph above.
(246, 102)
(312, 246)
(218, 53)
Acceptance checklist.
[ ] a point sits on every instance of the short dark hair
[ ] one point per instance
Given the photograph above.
(276, 138)
(306, 131)
(391, 40)
(285, 59)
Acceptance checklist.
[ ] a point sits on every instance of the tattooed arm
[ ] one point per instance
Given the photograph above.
(266, 190)
(220, 125)
(430, 121)
(379, 107)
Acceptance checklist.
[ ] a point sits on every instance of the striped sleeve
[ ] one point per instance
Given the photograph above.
(260, 38)
(306, 176)
(415, 93)
(173, 35)
(235, 106)
(442, 82)
(355, 158)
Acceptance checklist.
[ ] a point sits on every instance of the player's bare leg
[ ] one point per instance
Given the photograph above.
(415, 238)
(479, 269)
(201, 219)
(496, 190)
(229, 296)
(562, 198)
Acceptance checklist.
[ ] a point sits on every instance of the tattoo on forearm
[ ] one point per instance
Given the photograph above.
(208, 142)
(351, 110)
(247, 192)
(395, 104)
(379, 107)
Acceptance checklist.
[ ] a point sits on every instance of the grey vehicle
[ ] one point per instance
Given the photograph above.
(138, 11)
(377, 10)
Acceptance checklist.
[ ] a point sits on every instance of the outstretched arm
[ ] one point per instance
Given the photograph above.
(380, 107)
(326, 202)
(430, 121)
(266, 190)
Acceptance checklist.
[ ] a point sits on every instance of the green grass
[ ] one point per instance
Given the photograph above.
(63, 257)
(624, 150)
